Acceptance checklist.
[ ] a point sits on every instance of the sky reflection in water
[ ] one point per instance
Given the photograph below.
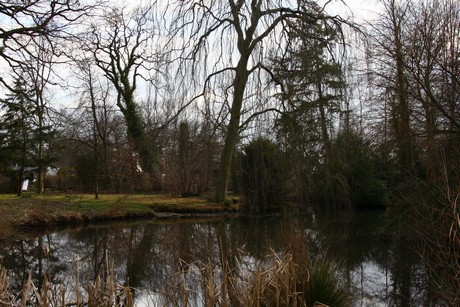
(149, 256)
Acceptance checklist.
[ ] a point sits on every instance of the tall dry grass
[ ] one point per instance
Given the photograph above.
(288, 278)
(104, 290)
(277, 280)
(6, 297)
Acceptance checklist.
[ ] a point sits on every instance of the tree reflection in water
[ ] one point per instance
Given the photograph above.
(159, 256)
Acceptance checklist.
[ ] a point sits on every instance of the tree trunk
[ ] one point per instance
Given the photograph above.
(324, 134)
(401, 120)
(20, 180)
(184, 139)
(239, 86)
(41, 137)
(403, 129)
(96, 133)
(41, 171)
(23, 159)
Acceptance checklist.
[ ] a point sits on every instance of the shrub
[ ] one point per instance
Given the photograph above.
(263, 176)
(350, 177)
(324, 285)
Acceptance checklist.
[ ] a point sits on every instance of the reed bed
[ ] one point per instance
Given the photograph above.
(277, 280)
(102, 291)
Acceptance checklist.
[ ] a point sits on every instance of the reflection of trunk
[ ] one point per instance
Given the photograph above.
(138, 256)
(402, 275)
(40, 263)
(99, 256)
(23, 261)
(228, 266)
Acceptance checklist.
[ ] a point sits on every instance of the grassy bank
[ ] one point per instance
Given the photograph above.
(32, 212)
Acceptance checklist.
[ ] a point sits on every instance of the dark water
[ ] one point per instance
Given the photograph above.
(380, 264)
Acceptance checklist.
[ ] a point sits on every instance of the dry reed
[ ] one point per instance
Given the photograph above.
(99, 292)
(277, 280)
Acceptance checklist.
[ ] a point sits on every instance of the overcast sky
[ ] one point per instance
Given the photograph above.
(363, 10)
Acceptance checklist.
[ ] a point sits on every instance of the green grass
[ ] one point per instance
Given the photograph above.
(38, 211)
(8, 197)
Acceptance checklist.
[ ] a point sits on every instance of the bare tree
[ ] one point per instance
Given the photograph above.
(29, 47)
(122, 47)
(97, 154)
(388, 48)
(228, 42)
(27, 23)
(434, 67)
(415, 56)
(95, 98)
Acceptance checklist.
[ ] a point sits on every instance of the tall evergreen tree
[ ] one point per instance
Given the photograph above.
(312, 81)
(27, 141)
(16, 135)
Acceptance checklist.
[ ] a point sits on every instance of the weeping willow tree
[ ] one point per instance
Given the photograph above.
(227, 44)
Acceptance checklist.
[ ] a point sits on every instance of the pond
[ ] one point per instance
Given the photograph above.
(378, 263)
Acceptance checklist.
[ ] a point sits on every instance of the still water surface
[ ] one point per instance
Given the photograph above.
(380, 266)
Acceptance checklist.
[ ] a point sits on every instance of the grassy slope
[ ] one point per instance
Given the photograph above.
(41, 211)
